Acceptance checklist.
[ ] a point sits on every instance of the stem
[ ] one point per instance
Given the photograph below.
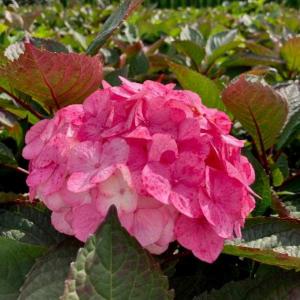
(262, 147)
(19, 169)
(278, 206)
(23, 104)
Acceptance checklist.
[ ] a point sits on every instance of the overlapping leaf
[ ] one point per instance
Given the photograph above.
(46, 278)
(198, 83)
(267, 286)
(16, 259)
(112, 23)
(290, 53)
(269, 240)
(112, 265)
(53, 79)
(25, 234)
(291, 92)
(260, 109)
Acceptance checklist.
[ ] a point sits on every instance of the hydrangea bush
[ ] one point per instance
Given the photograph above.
(150, 190)
(167, 162)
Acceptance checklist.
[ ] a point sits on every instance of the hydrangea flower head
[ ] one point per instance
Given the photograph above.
(162, 158)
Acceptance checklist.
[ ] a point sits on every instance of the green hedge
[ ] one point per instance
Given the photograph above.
(205, 3)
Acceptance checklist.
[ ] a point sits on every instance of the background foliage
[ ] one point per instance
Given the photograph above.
(243, 58)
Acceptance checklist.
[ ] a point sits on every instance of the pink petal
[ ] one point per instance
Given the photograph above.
(160, 144)
(115, 191)
(156, 182)
(199, 237)
(80, 182)
(186, 200)
(148, 226)
(86, 220)
(61, 221)
(84, 157)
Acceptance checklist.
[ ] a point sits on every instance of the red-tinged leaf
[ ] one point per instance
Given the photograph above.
(53, 79)
(270, 240)
(260, 109)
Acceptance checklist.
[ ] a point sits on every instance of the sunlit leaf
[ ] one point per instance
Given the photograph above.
(53, 79)
(290, 53)
(198, 83)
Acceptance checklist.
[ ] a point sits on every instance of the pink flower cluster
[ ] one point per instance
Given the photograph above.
(163, 159)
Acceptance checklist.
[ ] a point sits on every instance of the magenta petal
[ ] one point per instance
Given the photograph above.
(186, 201)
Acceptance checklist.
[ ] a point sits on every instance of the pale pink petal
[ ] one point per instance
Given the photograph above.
(86, 220)
(39, 176)
(60, 220)
(33, 149)
(35, 131)
(148, 226)
(84, 157)
(80, 182)
(116, 191)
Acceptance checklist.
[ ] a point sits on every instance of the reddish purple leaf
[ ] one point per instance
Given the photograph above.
(53, 79)
(260, 108)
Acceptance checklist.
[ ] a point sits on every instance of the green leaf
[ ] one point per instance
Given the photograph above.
(12, 197)
(292, 125)
(259, 49)
(251, 60)
(271, 285)
(211, 58)
(290, 53)
(20, 112)
(219, 40)
(47, 276)
(190, 49)
(16, 259)
(138, 64)
(293, 207)
(261, 110)
(271, 240)
(28, 225)
(48, 44)
(112, 265)
(261, 186)
(112, 23)
(6, 156)
(113, 77)
(198, 83)
(60, 79)
(190, 34)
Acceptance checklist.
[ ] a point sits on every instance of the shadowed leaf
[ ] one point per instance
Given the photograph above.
(271, 240)
(260, 109)
(113, 266)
